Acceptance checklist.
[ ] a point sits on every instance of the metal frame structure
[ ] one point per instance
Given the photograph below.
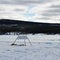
(21, 37)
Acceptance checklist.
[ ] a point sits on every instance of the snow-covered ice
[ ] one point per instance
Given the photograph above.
(38, 51)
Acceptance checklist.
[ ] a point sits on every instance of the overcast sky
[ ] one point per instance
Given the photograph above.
(31, 10)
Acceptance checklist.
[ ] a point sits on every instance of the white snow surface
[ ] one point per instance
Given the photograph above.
(47, 50)
(33, 38)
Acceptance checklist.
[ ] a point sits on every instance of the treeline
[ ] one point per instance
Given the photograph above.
(24, 27)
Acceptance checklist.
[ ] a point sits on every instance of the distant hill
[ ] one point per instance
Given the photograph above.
(27, 27)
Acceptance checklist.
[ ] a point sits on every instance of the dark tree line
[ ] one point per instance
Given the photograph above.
(25, 27)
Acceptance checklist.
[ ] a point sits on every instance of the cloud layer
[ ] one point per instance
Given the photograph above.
(23, 1)
(31, 10)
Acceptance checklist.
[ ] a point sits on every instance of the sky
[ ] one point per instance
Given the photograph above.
(31, 10)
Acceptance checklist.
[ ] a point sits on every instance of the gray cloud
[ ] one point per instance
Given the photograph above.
(52, 11)
(23, 1)
(18, 10)
(43, 18)
(50, 14)
(1, 9)
(55, 6)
